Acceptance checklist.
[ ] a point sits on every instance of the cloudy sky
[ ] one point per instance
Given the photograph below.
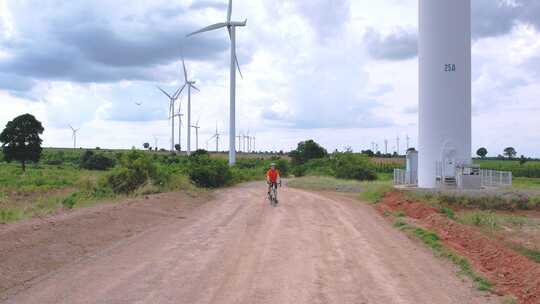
(343, 72)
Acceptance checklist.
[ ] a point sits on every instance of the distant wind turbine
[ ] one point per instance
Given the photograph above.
(231, 27)
(196, 127)
(74, 136)
(190, 84)
(216, 136)
(239, 142)
(172, 99)
(179, 115)
(155, 142)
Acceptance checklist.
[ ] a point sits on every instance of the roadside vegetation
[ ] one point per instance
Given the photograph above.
(432, 240)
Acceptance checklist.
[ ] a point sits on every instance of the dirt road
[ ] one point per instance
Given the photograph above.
(312, 248)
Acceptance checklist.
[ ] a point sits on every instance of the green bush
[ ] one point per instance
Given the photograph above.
(70, 201)
(283, 167)
(136, 169)
(306, 151)
(353, 166)
(299, 170)
(208, 172)
(91, 161)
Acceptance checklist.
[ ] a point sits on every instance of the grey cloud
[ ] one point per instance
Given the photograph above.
(490, 18)
(399, 45)
(85, 47)
(13, 83)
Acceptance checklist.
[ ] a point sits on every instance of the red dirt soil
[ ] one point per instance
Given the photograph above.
(511, 272)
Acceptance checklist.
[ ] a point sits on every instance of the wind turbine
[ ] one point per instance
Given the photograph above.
(216, 136)
(385, 146)
(231, 27)
(239, 143)
(248, 142)
(190, 84)
(155, 142)
(74, 136)
(172, 99)
(397, 145)
(196, 127)
(179, 115)
(408, 138)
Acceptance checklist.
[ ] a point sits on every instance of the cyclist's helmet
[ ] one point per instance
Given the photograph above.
(273, 165)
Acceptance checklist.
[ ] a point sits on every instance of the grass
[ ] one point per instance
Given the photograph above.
(325, 183)
(375, 191)
(491, 220)
(369, 191)
(432, 240)
(487, 201)
(529, 169)
(530, 253)
(526, 183)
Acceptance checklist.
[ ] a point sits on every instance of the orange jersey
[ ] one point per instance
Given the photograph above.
(272, 175)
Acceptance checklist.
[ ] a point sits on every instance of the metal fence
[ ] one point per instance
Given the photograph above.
(401, 177)
(491, 178)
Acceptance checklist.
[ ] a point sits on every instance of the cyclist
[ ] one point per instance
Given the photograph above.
(272, 177)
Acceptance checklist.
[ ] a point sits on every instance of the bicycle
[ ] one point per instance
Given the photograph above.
(272, 195)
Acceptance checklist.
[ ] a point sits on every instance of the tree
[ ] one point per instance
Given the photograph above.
(368, 152)
(307, 150)
(482, 152)
(146, 146)
(522, 160)
(20, 140)
(177, 147)
(510, 152)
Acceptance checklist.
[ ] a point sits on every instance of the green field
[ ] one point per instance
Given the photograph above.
(57, 182)
(528, 169)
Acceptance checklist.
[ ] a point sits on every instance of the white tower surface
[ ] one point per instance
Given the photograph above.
(444, 51)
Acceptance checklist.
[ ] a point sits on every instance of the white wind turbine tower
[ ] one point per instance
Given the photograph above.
(407, 139)
(239, 143)
(397, 145)
(172, 99)
(155, 142)
(216, 136)
(196, 127)
(190, 84)
(179, 115)
(248, 142)
(231, 27)
(74, 136)
(385, 146)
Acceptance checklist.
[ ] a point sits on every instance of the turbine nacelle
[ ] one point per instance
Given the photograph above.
(237, 23)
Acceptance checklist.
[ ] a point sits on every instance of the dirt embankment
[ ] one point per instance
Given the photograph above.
(511, 272)
(32, 248)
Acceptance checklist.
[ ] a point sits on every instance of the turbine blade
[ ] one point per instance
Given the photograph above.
(208, 28)
(235, 57)
(184, 66)
(180, 91)
(229, 11)
(195, 87)
(164, 92)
